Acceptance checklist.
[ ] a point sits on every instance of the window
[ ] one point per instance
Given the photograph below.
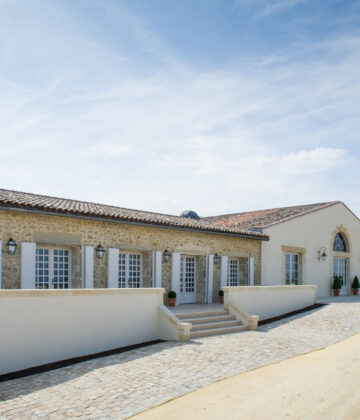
(339, 243)
(233, 273)
(341, 269)
(292, 268)
(52, 268)
(238, 273)
(129, 270)
(187, 275)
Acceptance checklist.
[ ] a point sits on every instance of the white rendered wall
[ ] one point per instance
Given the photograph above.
(44, 326)
(312, 231)
(271, 301)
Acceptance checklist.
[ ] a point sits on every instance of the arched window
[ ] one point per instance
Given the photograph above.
(339, 243)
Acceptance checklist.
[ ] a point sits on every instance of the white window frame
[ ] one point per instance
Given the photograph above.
(183, 272)
(125, 261)
(51, 250)
(293, 281)
(337, 269)
(231, 272)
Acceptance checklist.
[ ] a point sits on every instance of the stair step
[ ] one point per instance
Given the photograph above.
(201, 314)
(211, 325)
(208, 319)
(216, 331)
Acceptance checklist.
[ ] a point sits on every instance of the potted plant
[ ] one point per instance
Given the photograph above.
(221, 296)
(355, 285)
(171, 298)
(336, 286)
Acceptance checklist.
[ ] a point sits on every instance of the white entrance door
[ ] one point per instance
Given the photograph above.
(340, 269)
(52, 268)
(187, 280)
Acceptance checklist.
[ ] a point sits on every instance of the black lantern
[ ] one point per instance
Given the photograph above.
(216, 258)
(11, 246)
(100, 251)
(166, 255)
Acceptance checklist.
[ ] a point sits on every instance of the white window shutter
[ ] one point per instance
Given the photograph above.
(113, 268)
(223, 271)
(175, 274)
(27, 265)
(251, 271)
(209, 278)
(156, 268)
(87, 267)
(0, 264)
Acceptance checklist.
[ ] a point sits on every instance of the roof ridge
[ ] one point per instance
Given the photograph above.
(88, 202)
(325, 203)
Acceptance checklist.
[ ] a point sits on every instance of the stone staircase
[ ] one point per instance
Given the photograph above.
(211, 323)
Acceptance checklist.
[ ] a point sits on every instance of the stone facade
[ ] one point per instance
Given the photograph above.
(73, 232)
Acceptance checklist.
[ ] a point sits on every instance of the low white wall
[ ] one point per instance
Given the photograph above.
(44, 326)
(270, 301)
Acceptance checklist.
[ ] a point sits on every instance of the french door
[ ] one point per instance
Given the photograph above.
(341, 269)
(187, 280)
(52, 268)
(129, 270)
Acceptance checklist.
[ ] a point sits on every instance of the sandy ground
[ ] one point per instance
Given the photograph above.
(324, 384)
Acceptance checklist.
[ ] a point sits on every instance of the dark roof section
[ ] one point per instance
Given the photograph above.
(261, 219)
(42, 203)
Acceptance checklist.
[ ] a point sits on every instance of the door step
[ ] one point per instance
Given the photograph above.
(205, 324)
(217, 331)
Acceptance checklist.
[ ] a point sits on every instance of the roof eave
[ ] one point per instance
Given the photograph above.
(110, 219)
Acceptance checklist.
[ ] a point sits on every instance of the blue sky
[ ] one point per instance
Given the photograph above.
(214, 105)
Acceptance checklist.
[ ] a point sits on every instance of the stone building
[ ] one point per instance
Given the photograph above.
(50, 242)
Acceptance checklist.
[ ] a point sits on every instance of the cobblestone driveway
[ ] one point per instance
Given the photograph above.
(121, 385)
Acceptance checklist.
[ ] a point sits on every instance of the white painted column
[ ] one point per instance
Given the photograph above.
(175, 275)
(156, 268)
(27, 265)
(223, 271)
(113, 268)
(209, 278)
(251, 271)
(87, 267)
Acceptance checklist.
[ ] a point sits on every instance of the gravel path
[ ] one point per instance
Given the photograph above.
(121, 385)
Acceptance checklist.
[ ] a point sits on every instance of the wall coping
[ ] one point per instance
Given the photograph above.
(79, 292)
(285, 287)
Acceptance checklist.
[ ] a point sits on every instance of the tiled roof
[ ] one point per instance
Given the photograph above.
(264, 218)
(35, 202)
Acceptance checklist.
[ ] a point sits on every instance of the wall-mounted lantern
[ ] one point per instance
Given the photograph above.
(166, 256)
(322, 254)
(216, 258)
(11, 246)
(100, 251)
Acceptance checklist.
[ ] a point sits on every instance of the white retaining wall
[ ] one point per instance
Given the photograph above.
(270, 301)
(44, 326)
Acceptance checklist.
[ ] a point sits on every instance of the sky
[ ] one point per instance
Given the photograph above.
(218, 106)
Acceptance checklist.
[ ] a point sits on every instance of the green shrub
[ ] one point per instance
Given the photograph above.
(355, 283)
(336, 283)
(172, 294)
(221, 293)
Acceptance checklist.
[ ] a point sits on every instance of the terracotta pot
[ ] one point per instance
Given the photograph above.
(221, 299)
(336, 292)
(171, 301)
(355, 291)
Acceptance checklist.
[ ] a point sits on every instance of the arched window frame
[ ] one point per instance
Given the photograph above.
(340, 243)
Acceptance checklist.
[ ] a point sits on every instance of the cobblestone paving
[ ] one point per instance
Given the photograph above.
(121, 385)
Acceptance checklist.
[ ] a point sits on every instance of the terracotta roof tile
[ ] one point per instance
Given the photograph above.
(261, 219)
(16, 199)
